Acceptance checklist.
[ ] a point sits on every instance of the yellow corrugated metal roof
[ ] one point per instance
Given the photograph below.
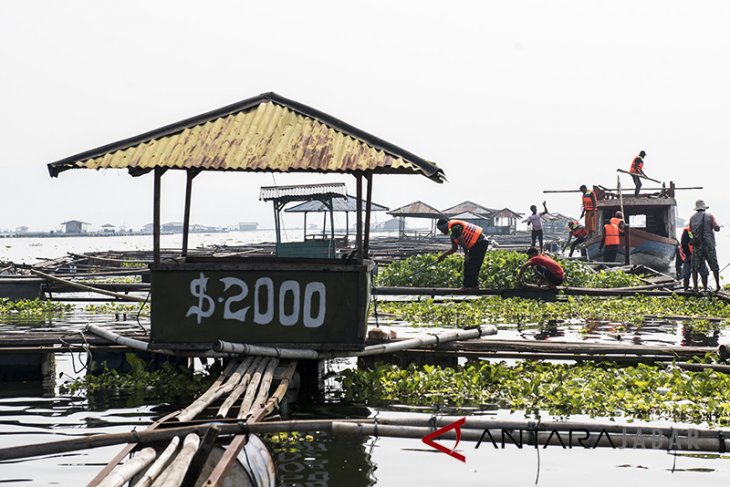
(265, 133)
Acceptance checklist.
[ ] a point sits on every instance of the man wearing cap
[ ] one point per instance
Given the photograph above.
(703, 226)
(637, 170)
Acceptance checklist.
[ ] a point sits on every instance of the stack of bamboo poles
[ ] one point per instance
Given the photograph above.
(250, 381)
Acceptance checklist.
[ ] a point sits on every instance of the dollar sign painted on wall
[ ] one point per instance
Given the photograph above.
(198, 287)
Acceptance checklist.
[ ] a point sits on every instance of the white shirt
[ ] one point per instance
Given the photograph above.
(535, 220)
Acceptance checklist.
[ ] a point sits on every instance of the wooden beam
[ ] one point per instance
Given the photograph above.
(191, 173)
(156, 216)
(368, 208)
(358, 204)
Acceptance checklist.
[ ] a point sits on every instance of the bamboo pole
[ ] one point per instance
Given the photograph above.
(210, 396)
(264, 387)
(109, 259)
(391, 347)
(84, 287)
(540, 438)
(240, 388)
(240, 428)
(151, 474)
(131, 445)
(201, 456)
(279, 393)
(251, 389)
(124, 472)
(142, 345)
(175, 472)
(122, 340)
(239, 441)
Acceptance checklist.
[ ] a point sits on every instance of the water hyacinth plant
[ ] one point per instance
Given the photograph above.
(599, 390)
(498, 271)
(33, 307)
(496, 310)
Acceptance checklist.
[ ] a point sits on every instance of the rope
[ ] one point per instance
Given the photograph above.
(84, 347)
(139, 312)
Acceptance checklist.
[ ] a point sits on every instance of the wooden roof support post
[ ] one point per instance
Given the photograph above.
(277, 222)
(358, 204)
(191, 173)
(368, 208)
(156, 215)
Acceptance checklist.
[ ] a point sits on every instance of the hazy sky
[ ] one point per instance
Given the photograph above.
(509, 97)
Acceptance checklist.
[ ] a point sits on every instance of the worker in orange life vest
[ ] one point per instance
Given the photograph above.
(579, 232)
(685, 254)
(618, 220)
(637, 170)
(590, 206)
(471, 238)
(610, 242)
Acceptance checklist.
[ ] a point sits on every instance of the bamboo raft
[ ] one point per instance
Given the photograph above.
(243, 394)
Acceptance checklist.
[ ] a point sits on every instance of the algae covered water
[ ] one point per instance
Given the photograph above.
(39, 412)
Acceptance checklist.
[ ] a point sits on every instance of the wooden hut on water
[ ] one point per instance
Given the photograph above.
(297, 301)
(75, 226)
(417, 209)
(346, 204)
(494, 222)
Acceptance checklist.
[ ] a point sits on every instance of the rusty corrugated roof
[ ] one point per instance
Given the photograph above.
(303, 192)
(264, 133)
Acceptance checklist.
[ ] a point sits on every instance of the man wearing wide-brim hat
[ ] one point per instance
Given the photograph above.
(703, 226)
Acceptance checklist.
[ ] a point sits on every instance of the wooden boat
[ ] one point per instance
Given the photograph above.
(652, 229)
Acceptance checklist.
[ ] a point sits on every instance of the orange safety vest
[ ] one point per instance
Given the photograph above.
(579, 231)
(611, 234)
(617, 222)
(588, 201)
(470, 234)
(637, 165)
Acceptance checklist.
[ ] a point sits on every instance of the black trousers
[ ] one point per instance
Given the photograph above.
(609, 253)
(474, 264)
(536, 235)
(637, 183)
(576, 243)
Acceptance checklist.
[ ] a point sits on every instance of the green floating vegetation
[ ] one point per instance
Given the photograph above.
(170, 381)
(499, 271)
(33, 307)
(496, 310)
(113, 308)
(598, 390)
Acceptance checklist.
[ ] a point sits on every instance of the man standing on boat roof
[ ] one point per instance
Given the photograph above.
(548, 271)
(637, 171)
(590, 208)
(703, 226)
(534, 220)
(472, 240)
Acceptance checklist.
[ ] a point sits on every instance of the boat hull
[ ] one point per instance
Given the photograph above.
(646, 249)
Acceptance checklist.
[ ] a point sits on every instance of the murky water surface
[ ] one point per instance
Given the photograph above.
(34, 412)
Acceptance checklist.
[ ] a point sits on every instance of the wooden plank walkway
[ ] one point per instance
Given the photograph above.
(243, 392)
